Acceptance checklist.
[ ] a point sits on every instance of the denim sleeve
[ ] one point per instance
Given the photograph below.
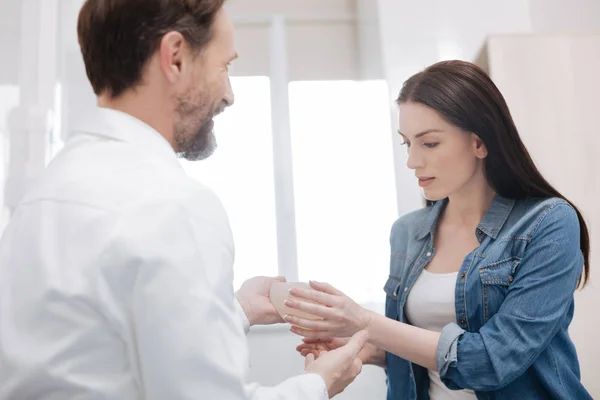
(515, 336)
(446, 354)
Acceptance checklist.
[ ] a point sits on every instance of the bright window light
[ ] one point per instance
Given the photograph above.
(344, 184)
(241, 173)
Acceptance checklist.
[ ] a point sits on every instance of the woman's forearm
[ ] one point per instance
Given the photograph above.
(406, 341)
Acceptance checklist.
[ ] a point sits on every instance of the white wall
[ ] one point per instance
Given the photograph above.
(369, 43)
(321, 37)
(10, 19)
(560, 16)
(290, 8)
(552, 84)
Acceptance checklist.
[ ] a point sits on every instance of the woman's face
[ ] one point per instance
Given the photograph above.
(446, 159)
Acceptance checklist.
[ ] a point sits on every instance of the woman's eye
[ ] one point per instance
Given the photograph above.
(430, 145)
(405, 143)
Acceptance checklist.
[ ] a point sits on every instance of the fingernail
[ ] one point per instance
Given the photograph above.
(288, 303)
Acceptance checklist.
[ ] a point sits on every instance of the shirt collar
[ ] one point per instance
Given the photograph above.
(430, 219)
(118, 125)
(491, 224)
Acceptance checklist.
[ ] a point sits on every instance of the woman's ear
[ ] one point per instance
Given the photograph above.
(480, 149)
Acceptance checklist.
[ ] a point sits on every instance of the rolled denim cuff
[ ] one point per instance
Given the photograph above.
(447, 347)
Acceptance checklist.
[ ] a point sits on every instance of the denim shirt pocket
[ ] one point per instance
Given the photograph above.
(495, 279)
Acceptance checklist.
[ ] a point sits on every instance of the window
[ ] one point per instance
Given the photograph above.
(241, 173)
(344, 190)
(344, 185)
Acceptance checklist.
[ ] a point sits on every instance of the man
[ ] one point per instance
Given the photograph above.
(116, 268)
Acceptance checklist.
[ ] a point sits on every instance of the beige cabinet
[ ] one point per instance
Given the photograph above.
(552, 86)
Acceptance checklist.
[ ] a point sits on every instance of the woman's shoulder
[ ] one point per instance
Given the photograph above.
(541, 203)
(535, 212)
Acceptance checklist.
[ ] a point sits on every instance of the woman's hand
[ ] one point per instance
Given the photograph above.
(341, 316)
(368, 355)
(317, 346)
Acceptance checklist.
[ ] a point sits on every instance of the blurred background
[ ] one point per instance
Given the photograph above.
(308, 165)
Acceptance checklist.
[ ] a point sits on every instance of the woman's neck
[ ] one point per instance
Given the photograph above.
(468, 206)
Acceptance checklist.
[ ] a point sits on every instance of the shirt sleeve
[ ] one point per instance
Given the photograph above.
(189, 338)
(307, 386)
(516, 335)
(242, 316)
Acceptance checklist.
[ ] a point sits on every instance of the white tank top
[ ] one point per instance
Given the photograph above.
(430, 305)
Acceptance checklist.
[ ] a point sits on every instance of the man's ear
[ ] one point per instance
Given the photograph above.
(171, 55)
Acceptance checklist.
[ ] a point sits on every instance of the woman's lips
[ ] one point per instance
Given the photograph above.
(425, 181)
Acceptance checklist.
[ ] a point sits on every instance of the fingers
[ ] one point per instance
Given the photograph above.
(311, 340)
(307, 333)
(280, 278)
(306, 352)
(314, 295)
(325, 287)
(309, 347)
(313, 309)
(309, 359)
(307, 323)
(315, 348)
(355, 345)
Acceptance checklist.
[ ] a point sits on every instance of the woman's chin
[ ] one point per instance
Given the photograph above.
(433, 195)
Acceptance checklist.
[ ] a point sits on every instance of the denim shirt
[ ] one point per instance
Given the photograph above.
(514, 301)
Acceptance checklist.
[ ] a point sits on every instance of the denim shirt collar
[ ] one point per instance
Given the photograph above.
(491, 224)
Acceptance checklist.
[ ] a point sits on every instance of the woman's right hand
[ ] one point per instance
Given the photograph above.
(368, 355)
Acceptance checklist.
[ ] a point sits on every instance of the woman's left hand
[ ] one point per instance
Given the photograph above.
(341, 316)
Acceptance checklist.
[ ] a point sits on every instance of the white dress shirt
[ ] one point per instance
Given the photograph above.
(116, 276)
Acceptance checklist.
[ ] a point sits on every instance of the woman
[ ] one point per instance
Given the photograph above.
(480, 292)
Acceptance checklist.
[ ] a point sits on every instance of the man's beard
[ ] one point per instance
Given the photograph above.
(195, 140)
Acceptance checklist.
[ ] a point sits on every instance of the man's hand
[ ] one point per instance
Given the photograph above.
(338, 367)
(368, 355)
(253, 296)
